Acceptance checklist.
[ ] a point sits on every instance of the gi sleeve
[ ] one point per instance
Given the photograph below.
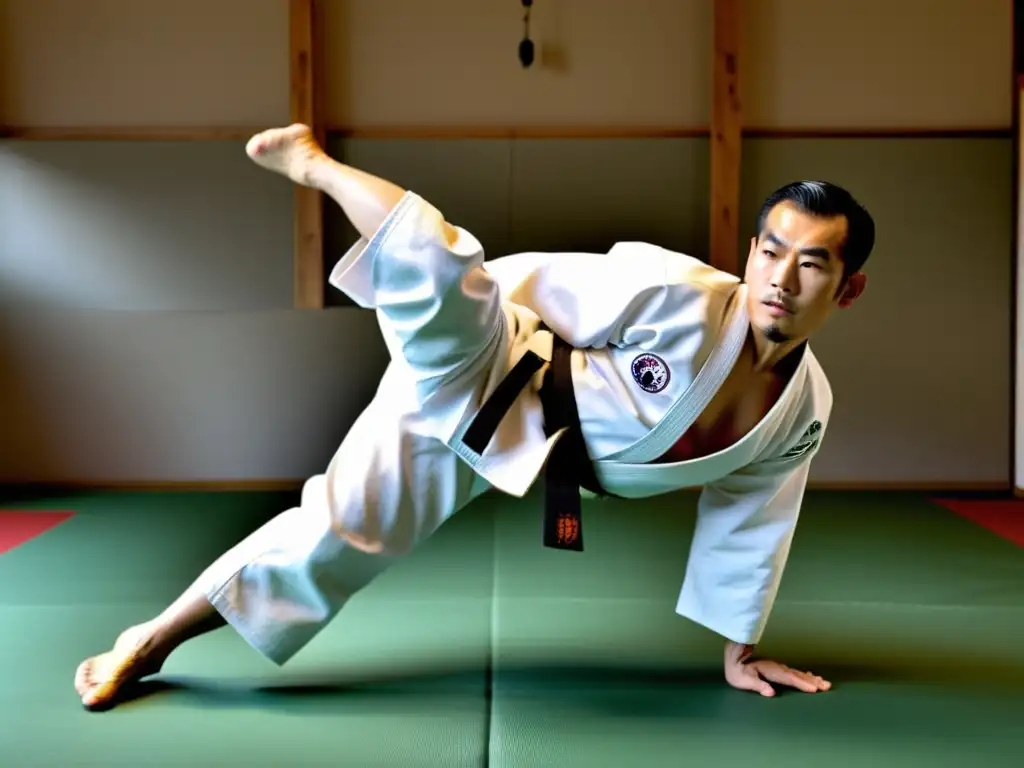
(438, 309)
(631, 295)
(745, 525)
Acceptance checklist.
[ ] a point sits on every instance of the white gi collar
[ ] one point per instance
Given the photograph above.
(684, 412)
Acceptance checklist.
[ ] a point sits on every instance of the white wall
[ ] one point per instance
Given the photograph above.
(647, 63)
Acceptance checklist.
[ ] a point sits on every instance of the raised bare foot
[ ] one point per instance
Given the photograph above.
(98, 680)
(291, 151)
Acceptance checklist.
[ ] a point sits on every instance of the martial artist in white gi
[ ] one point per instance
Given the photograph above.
(683, 376)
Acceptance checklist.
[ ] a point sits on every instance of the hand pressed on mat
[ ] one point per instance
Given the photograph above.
(757, 675)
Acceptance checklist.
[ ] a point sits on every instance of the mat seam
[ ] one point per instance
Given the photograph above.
(489, 673)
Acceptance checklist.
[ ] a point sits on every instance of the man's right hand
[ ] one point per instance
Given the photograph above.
(759, 674)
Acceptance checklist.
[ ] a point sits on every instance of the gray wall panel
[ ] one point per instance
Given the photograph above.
(586, 194)
(161, 396)
(142, 226)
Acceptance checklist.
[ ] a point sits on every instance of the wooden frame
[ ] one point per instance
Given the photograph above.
(305, 106)
(126, 133)
(726, 139)
(1017, 273)
(241, 133)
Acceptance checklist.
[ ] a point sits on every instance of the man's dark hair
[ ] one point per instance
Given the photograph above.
(821, 198)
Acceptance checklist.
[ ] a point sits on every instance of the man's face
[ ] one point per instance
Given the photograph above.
(795, 272)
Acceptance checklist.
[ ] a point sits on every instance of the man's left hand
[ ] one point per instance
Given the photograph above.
(757, 675)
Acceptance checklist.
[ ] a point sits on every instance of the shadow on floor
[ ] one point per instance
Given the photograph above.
(594, 688)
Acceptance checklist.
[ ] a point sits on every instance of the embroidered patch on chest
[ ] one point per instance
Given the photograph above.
(650, 372)
(807, 441)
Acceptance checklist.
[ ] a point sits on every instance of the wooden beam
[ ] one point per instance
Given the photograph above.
(726, 136)
(129, 133)
(502, 132)
(305, 107)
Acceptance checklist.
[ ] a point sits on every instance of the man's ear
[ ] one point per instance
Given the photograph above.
(852, 290)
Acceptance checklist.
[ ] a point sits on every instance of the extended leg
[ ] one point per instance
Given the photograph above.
(386, 490)
(141, 650)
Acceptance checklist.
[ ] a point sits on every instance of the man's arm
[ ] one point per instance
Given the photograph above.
(741, 543)
(745, 524)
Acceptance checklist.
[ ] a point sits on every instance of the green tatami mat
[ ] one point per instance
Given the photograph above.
(914, 614)
(486, 649)
(400, 678)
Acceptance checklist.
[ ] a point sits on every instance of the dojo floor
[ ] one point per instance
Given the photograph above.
(486, 649)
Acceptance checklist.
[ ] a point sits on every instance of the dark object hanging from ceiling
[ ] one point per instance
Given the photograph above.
(526, 45)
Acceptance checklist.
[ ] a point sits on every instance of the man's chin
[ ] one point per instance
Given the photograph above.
(775, 334)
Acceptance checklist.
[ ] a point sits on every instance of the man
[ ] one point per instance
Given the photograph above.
(677, 375)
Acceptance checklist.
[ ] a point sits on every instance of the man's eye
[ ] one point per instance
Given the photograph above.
(769, 253)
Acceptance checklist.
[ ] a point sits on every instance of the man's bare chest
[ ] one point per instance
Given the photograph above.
(742, 402)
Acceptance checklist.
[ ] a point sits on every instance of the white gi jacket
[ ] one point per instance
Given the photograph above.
(656, 333)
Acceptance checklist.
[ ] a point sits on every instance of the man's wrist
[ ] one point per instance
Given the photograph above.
(738, 653)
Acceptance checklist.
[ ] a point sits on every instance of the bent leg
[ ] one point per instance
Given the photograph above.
(294, 153)
(439, 309)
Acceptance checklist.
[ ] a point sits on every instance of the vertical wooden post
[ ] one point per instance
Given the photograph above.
(1017, 291)
(305, 107)
(726, 136)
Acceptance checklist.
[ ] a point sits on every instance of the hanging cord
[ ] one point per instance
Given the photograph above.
(526, 46)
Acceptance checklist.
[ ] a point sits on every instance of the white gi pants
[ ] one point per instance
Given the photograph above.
(392, 482)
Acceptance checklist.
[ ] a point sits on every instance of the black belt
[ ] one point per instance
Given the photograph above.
(569, 466)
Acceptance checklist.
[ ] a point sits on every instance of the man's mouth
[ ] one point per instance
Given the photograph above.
(777, 308)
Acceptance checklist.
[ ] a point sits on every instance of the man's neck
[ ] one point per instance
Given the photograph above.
(773, 356)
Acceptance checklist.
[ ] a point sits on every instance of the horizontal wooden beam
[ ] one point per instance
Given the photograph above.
(128, 133)
(655, 132)
(240, 133)
(877, 133)
(516, 132)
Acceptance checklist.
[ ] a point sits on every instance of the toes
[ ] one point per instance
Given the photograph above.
(83, 677)
(94, 699)
(86, 684)
(256, 146)
(93, 690)
(100, 694)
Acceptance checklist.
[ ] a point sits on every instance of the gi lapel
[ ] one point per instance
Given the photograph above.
(702, 389)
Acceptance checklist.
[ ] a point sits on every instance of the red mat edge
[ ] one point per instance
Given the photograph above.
(1003, 517)
(20, 526)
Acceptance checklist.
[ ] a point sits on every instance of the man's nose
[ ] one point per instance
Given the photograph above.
(782, 277)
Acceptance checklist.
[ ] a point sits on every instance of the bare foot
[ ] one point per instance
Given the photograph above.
(291, 151)
(98, 680)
